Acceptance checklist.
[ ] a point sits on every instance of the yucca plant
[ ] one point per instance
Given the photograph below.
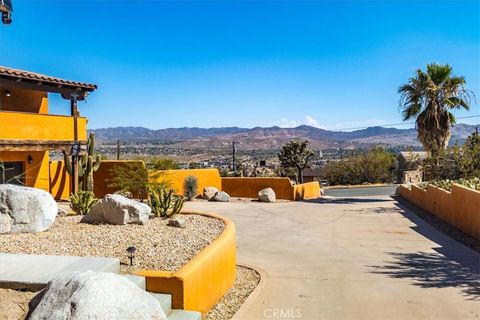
(82, 201)
(164, 203)
(190, 187)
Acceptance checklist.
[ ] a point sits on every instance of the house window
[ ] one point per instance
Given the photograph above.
(12, 172)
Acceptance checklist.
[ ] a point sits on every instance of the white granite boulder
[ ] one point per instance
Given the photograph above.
(209, 192)
(94, 295)
(117, 209)
(267, 195)
(221, 196)
(24, 209)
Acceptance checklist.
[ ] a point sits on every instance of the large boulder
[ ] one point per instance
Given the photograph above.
(209, 192)
(266, 195)
(117, 209)
(92, 295)
(24, 209)
(221, 196)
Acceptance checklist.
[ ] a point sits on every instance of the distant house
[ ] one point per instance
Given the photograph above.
(310, 175)
(408, 166)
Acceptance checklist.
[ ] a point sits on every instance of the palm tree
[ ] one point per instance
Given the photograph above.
(430, 96)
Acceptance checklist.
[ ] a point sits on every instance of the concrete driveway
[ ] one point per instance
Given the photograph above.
(356, 258)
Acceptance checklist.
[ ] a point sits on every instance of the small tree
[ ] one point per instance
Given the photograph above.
(190, 187)
(470, 160)
(295, 154)
(133, 177)
(164, 164)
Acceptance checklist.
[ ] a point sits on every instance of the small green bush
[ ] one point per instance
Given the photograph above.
(164, 203)
(82, 202)
(190, 187)
(473, 183)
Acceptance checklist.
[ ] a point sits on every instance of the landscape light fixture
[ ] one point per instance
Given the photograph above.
(8, 93)
(6, 8)
(131, 254)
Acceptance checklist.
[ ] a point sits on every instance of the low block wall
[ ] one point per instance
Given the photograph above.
(205, 279)
(460, 207)
(176, 178)
(249, 187)
(102, 176)
(309, 190)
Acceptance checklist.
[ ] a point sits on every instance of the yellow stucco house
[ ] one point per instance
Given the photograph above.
(28, 132)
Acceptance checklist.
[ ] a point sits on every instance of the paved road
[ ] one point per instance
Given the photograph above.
(358, 258)
(388, 190)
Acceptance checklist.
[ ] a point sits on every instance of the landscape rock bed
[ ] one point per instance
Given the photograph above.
(246, 281)
(159, 246)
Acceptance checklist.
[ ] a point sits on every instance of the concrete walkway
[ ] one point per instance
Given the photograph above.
(32, 272)
(364, 258)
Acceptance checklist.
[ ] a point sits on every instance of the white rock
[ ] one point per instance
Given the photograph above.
(209, 192)
(92, 295)
(266, 195)
(178, 222)
(117, 209)
(221, 196)
(24, 209)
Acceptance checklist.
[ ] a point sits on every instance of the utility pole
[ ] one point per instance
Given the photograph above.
(234, 166)
(118, 149)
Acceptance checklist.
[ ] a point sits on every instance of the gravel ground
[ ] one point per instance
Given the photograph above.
(246, 281)
(159, 246)
(14, 304)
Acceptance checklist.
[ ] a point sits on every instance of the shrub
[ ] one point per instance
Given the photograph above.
(132, 177)
(82, 201)
(190, 187)
(473, 183)
(164, 203)
(373, 166)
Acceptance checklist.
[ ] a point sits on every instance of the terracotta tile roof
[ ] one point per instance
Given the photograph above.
(27, 75)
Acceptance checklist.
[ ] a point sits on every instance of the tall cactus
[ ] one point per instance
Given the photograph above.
(86, 165)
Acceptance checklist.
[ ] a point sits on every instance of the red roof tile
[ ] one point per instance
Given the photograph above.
(27, 75)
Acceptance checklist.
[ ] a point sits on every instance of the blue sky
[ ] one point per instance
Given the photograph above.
(231, 63)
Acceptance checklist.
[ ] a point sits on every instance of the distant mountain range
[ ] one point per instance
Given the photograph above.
(271, 137)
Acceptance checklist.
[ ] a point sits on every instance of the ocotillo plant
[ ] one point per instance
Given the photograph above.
(86, 165)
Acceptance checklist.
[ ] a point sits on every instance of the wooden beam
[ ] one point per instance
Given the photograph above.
(64, 90)
(32, 145)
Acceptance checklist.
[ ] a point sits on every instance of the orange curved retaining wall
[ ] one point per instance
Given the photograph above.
(205, 279)
(102, 176)
(249, 187)
(460, 207)
(176, 178)
(309, 190)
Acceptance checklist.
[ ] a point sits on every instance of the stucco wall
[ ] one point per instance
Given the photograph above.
(24, 100)
(26, 126)
(205, 279)
(37, 172)
(309, 190)
(249, 187)
(59, 181)
(102, 176)
(460, 207)
(176, 178)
